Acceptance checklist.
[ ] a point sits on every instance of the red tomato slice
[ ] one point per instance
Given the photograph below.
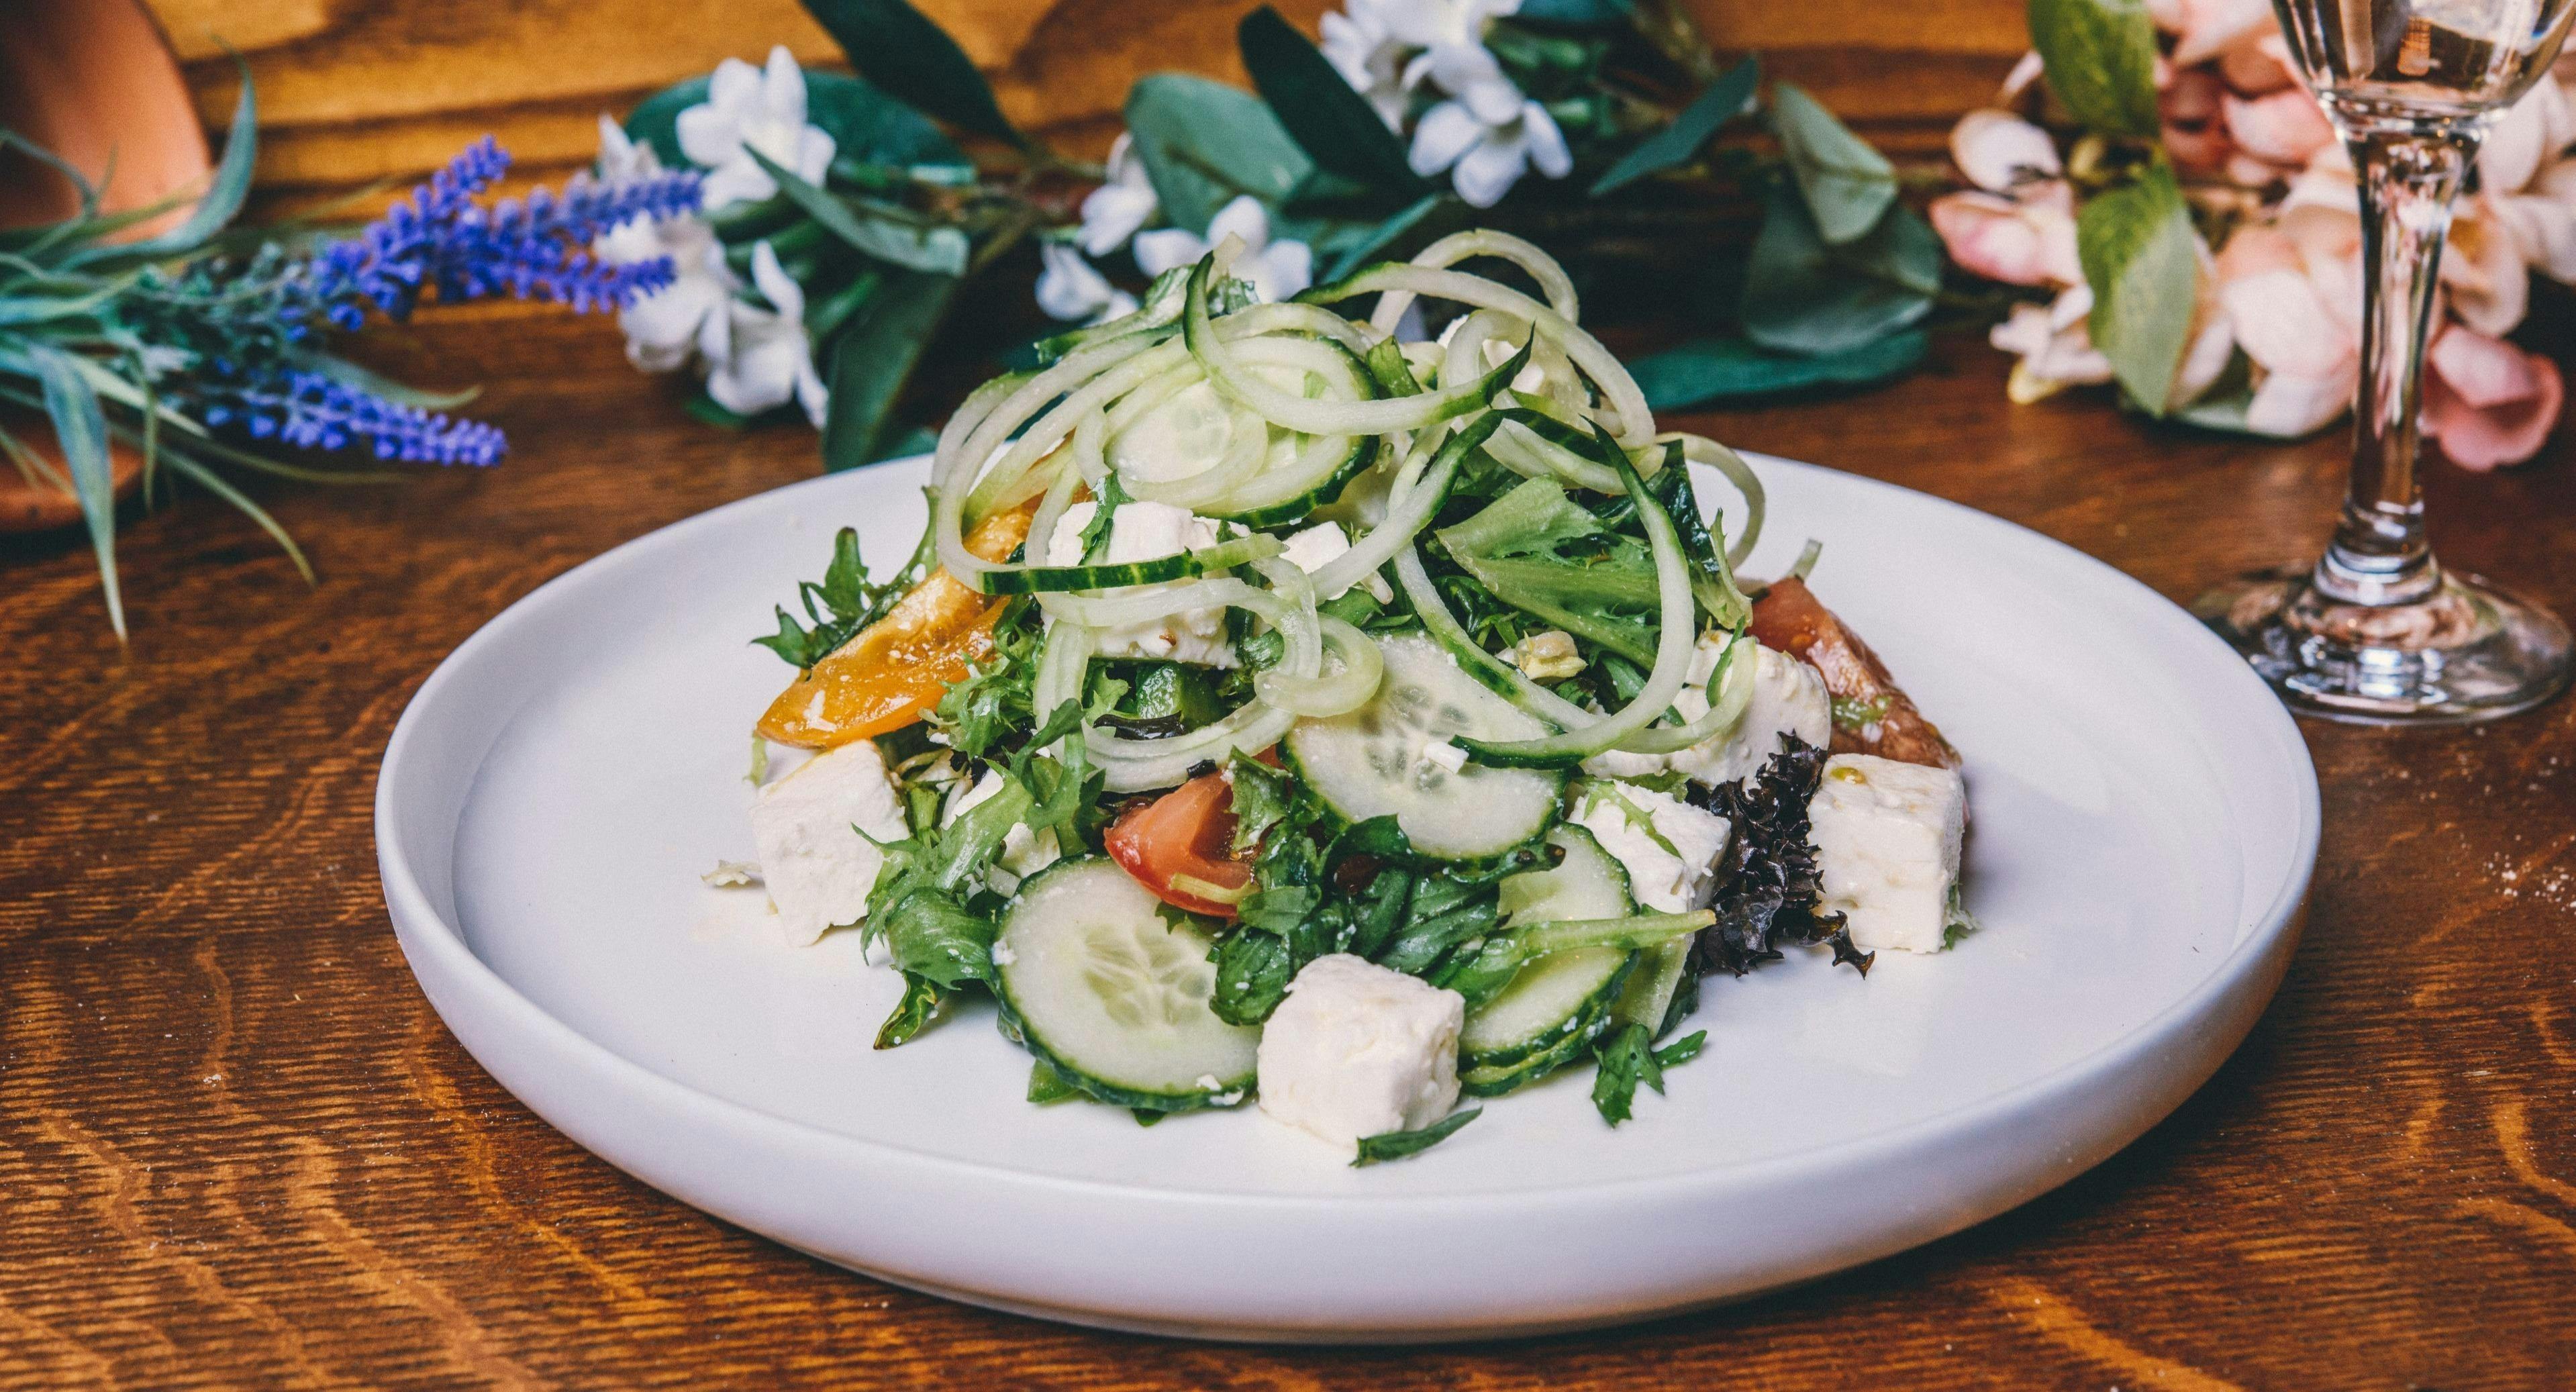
(1179, 846)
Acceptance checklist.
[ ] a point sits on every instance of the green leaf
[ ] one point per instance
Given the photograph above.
(1675, 144)
(1804, 296)
(2142, 261)
(1395, 1145)
(1847, 184)
(939, 250)
(1734, 368)
(873, 358)
(901, 50)
(2100, 56)
(1681, 1050)
(223, 200)
(349, 374)
(913, 1013)
(80, 428)
(1575, 14)
(1327, 118)
(1204, 143)
(1047, 1085)
(865, 124)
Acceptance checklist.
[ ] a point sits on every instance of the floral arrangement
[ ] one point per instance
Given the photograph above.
(841, 214)
(206, 348)
(2136, 139)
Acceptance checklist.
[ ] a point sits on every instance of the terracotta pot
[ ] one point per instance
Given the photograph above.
(94, 82)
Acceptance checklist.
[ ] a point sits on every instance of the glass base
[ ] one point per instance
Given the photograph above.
(2466, 652)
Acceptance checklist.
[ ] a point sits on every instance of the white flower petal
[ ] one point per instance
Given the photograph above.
(775, 284)
(782, 88)
(1160, 251)
(814, 150)
(1446, 132)
(734, 89)
(1547, 151)
(1069, 287)
(737, 180)
(1488, 171)
(811, 394)
(1280, 270)
(2283, 323)
(1998, 150)
(708, 135)
(1243, 217)
(2288, 406)
(1111, 214)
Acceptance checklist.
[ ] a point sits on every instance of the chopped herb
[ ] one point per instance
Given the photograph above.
(1628, 1057)
(1395, 1145)
(1047, 1085)
(1957, 922)
(921, 1001)
(843, 603)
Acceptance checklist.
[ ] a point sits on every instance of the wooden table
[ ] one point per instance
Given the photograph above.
(237, 1148)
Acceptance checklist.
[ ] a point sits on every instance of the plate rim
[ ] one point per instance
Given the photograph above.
(414, 913)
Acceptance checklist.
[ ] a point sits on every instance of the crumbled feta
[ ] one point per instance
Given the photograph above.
(1887, 838)
(1669, 847)
(1546, 656)
(1788, 699)
(1024, 853)
(732, 874)
(1148, 532)
(1317, 546)
(1357, 1050)
(807, 825)
(1446, 755)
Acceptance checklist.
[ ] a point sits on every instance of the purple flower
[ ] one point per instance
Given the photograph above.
(312, 411)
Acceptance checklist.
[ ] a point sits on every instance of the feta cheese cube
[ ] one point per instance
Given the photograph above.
(1148, 532)
(1669, 847)
(818, 868)
(1789, 698)
(1887, 838)
(1357, 1050)
(1446, 755)
(1024, 853)
(1314, 548)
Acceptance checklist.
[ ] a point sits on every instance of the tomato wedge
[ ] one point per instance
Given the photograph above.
(1180, 846)
(896, 669)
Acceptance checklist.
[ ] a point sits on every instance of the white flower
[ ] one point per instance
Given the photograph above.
(1488, 133)
(749, 109)
(1277, 269)
(687, 315)
(1112, 212)
(1999, 151)
(770, 360)
(1361, 44)
(1072, 288)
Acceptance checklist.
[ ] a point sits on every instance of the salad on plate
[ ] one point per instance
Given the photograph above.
(1329, 714)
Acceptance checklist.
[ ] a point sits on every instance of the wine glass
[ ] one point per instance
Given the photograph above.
(2377, 631)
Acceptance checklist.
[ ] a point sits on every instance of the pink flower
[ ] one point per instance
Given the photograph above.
(2055, 347)
(2487, 401)
(2204, 29)
(2285, 128)
(2281, 300)
(2028, 240)
(2484, 271)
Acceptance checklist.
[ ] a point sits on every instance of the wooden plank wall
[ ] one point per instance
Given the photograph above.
(356, 90)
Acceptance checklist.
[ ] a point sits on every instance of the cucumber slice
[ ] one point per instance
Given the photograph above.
(1105, 988)
(1589, 883)
(1650, 988)
(1545, 1019)
(1207, 560)
(1370, 762)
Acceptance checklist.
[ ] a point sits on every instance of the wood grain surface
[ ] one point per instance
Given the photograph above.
(238, 1150)
(355, 90)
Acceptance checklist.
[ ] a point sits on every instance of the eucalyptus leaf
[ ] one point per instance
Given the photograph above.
(80, 429)
(865, 124)
(1677, 143)
(940, 250)
(903, 51)
(2143, 263)
(1804, 296)
(349, 374)
(872, 359)
(2100, 56)
(1204, 143)
(1329, 120)
(1734, 368)
(1847, 184)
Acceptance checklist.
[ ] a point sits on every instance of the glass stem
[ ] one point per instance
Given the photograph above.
(2408, 176)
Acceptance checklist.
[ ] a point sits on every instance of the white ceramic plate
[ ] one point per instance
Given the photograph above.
(2146, 820)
